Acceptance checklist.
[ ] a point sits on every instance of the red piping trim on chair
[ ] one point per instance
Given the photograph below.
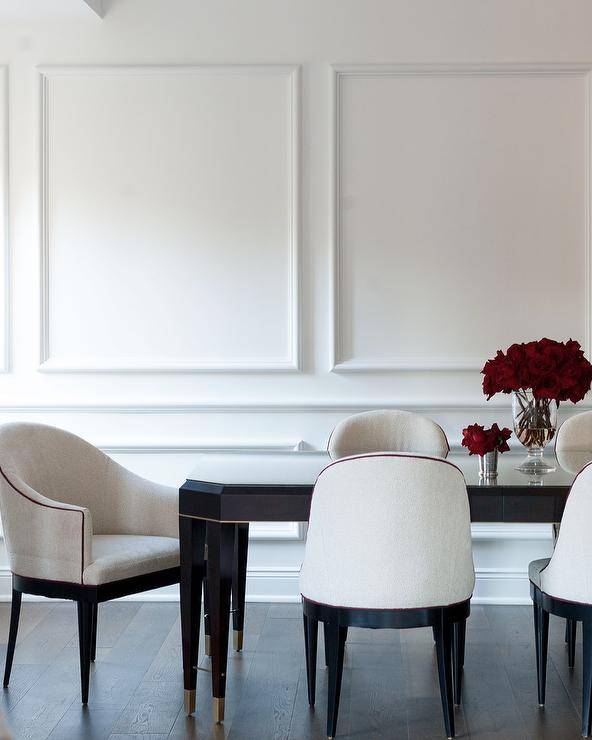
(48, 506)
(392, 454)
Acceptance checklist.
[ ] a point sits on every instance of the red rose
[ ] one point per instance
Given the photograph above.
(500, 437)
(551, 369)
(476, 440)
(480, 441)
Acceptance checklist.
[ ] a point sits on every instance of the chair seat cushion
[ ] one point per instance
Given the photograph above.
(534, 571)
(116, 557)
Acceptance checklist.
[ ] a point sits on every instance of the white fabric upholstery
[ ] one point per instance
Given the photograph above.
(389, 531)
(575, 434)
(573, 443)
(387, 431)
(118, 556)
(569, 572)
(57, 491)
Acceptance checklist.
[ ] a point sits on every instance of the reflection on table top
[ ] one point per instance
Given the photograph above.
(294, 468)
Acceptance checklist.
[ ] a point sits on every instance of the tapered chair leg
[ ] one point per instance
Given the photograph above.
(326, 641)
(458, 657)
(93, 638)
(571, 628)
(15, 611)
(443, 633)
(311, 631)
(85, 610)
(541, 633)
(335, 637)
(587, 678)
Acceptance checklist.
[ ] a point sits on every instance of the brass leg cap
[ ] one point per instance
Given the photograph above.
(207, 646)
(218, 710)
(189, 700)
(237, 640)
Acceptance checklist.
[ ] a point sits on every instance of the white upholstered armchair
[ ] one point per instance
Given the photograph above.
(357, 572)
(387, 431)
(79, 526)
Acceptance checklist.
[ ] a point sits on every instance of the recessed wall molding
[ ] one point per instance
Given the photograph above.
(5, 279)
(343, 358)
(287, 329)
(170, 448)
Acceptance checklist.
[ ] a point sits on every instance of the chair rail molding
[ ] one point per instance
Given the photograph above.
(169, 364)
(340, 72)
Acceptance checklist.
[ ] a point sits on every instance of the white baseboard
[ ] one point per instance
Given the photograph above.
(280, 585)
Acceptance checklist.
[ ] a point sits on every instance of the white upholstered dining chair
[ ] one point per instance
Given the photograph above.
(562, 585)
(356, 573)
(573, 449)
(387, 431)
(79, 526)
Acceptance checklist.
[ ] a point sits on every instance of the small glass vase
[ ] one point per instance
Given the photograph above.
(488, 465)
(535, 423)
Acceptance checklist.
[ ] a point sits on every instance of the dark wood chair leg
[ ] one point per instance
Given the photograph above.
(93, 639)
(541, 631)
(443, 632)
(567, 621)
(458, 657)
(571, 627)
(192, 536)
(239, 583)
(85, 610)
(587, 681)
(326, 642)
(15, 611)
(311, 631)
(336, 637)
(220, 562)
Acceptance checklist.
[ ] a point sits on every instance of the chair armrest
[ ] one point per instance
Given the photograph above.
(44, 538)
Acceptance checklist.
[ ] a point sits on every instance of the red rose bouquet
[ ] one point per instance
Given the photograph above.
(555, 370)
(480, 441)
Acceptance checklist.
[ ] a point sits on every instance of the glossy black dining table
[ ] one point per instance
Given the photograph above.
(228, 490)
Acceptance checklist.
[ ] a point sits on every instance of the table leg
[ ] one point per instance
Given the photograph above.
(239, 583)
(192, 535)
(220, 560)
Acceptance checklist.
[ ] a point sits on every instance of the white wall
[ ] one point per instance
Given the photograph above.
(232, 224)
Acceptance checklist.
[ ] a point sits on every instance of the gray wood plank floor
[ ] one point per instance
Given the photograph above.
(390, 686)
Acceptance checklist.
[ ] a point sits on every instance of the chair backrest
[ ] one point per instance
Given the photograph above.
(62, 467)
(573, 442)
(569, 573)
(389, 531)
(387, 431)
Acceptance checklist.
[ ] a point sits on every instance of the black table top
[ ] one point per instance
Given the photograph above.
(277, 486)
(301, 468)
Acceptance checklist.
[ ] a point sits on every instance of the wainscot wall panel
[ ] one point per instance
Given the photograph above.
(183, 178)
(451, 181)
(4, 254)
